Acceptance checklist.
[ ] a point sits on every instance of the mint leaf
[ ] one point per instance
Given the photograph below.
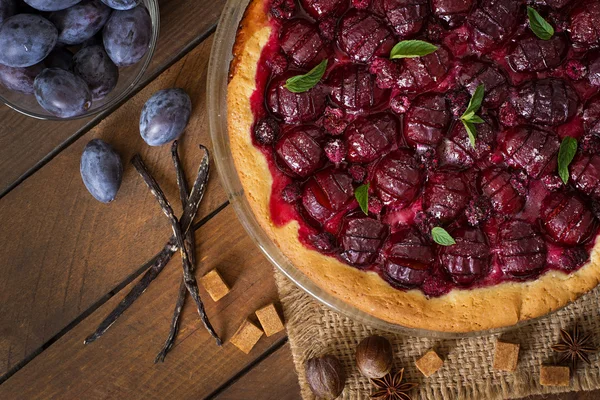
(442, 237)
(568, 148)
(303, 83)
(362, 196)
(539, 25)
(412, 49)
(471, 131)
(476, 119)
(475, 102)
(469, 118)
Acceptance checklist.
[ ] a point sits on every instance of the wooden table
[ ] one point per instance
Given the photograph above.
(67, 260)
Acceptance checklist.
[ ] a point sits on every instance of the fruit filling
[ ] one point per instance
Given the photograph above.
(380, 154)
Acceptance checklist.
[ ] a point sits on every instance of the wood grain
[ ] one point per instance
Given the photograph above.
(120, 364)
(62, 250)
(25, 142)
(273, 379)
(593, 395)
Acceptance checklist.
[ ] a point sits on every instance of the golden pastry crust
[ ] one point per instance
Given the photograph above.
(476, 309)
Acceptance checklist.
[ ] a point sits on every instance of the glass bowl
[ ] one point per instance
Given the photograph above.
(218, 72)
(128, 79)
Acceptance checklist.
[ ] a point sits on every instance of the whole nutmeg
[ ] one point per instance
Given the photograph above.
(374, 357)
(325, 376)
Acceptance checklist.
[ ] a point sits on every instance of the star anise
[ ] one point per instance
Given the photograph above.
(574, 346)
(391, 387)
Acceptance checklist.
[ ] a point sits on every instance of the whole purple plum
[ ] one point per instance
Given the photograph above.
(81, 22)
(62, 93)
(127, 35)
(51, 5)
(19, 79)
(26, 39)
(94, 66)
(165, 116)
(121, 4)
(101, 170)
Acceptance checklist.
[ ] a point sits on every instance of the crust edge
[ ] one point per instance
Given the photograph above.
(477, 309)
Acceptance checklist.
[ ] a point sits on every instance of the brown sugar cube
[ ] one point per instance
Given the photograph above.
(429, 363)
(506, 356)
(269, 319)
(246, 336)
(554, 376)
(214, 285)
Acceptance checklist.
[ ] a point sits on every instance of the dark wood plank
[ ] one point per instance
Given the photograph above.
(120, 364)
(272, 379)
(593, 395)
(62, 250)
(25, 142)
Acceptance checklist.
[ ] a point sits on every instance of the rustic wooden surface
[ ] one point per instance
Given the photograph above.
(67, 260)
(62, 254)
(121, 362)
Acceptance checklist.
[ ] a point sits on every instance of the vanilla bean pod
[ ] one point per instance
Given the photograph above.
(190, 279)
(190, 244)
(161, 259)
(157, 264)
(197, 193)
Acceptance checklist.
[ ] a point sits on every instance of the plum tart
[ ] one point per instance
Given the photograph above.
(433, 163)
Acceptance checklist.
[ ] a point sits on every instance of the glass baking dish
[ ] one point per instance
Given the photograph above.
(218, 71)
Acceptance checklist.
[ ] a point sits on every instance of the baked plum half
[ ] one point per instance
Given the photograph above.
(521, 249)
(469, 259)
(422, 73)
(532, 149)
(408, 258)
(473, 73)
(493, 22)
(585, 25)
(532, 54)
(499, 186)
(299, 152)
(327, 192)
(455, 150)
(398, 178)
(369, 138)
(547, 102)
(361, 239)
(452, 12)
(584, 171)
(323, 8)
(301, 42)
(427, 120)
(363, 36)
(591, 117)
(353, 88)
(567, 219)
(446, 195)
(295, 108)
(407, 17)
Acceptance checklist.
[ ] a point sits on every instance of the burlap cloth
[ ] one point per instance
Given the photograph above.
(467, 372)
